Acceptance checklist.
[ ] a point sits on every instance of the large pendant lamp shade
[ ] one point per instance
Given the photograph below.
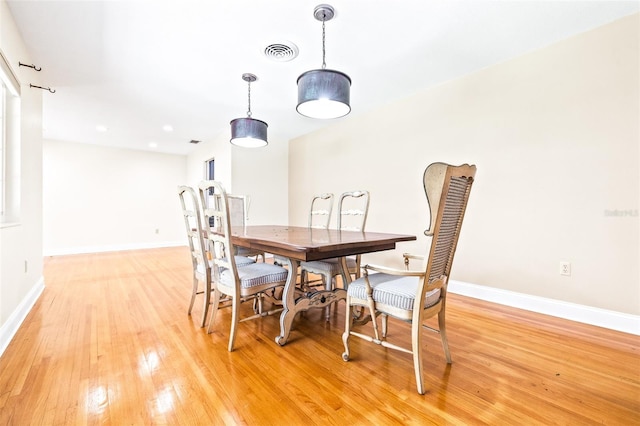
(248, 132)
(324, 93)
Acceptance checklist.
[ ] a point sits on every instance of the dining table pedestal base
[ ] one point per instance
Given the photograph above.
(295, 303)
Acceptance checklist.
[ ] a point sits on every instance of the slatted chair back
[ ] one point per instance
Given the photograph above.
(193, 221)
(320, 211)
(447, 189)
(353, 208)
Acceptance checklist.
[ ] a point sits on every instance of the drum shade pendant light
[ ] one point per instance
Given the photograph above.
(323, 93)
(248, 132)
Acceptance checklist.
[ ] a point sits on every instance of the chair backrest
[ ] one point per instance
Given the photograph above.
(447, 188)
(218, 236)
(320, 212)
(238, 209)
(191, 213)
(353, 208)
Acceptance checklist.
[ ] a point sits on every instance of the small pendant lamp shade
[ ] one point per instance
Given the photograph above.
(248, 132)
(323, 94)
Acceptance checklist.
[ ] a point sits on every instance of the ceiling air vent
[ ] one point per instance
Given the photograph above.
(193, 141)
(281, 52)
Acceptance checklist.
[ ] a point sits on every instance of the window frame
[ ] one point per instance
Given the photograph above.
(9, 144)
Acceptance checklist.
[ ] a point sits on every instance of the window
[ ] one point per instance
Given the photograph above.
(209, 168)
(2, 145)
(9, 144)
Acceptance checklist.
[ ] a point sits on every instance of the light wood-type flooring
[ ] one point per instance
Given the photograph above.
(110, 342)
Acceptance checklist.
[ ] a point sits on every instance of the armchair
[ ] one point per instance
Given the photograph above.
(414, 296)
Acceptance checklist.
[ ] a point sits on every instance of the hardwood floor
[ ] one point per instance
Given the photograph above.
(110, 342)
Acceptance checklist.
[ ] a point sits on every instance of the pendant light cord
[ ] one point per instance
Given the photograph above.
(249, 98)
(324, 64)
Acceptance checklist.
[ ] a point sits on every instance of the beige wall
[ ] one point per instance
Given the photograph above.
(99, 198)
(218, 149)
(262, 174)
(123, 195)
(21, 245)
(555, 136)
(259, 173)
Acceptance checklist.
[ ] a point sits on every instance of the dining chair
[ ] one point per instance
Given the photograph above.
(320, 211)
(250, 282)
(239, 214)
(353, 208)
(201, 264)
(199, 261)
(414, 296)
(319, 218)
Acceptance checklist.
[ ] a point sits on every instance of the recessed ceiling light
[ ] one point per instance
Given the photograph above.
(100, 128)
(167, 128)
(153, 145)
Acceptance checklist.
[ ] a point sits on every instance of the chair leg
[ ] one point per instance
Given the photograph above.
(372, 310)
(304, 280)
(385, 325)
(443, 335)
(328, 285)
(214, 310)
(235, 311)
(194, 292)
(207, 301)
(416, 347)
(348, 320)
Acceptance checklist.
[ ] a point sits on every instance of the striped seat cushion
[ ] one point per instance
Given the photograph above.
(328, 266)
(256, 274)
(240, 261)
(243, 261)
(392, 290)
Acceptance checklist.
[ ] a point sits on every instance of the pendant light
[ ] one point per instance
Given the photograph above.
(248, 132)
(323, 93)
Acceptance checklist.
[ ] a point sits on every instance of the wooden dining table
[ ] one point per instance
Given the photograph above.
(303, 244)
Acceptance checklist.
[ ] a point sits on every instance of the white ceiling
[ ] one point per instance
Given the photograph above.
(135, 66)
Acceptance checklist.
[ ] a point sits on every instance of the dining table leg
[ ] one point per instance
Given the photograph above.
(289, 303)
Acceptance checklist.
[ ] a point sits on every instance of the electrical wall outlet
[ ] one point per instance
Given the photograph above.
(565, 268)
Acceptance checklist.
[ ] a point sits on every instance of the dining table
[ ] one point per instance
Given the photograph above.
(303, 244)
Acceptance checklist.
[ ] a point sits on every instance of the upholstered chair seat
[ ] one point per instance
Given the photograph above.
(392, 291)
(255, 275)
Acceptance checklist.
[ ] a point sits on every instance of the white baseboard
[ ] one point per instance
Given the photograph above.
(613, 320)
(117, 247)
(11, 326)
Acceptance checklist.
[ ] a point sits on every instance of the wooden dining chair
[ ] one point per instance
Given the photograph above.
(200, 263)
(353, 208)
(200, 258)
(414, 296)
(320, 211)
(239, 214)
(240, 284)
(319, 218)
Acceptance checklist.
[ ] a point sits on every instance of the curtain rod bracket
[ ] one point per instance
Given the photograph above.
(30, 66)
(43, 88)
